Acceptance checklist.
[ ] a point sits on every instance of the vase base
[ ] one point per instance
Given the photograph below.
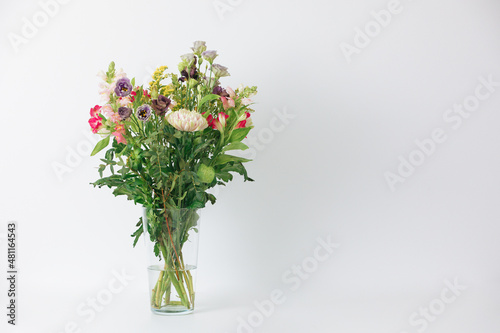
(172, 311)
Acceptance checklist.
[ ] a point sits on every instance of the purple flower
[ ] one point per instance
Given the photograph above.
(220, 91)
(209, 55)
(199, 46)
(161, 105)
(123, 87)
(144, 112)
(219, 70)
(124, 112)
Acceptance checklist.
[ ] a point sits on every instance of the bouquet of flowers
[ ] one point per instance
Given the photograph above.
(169, 146)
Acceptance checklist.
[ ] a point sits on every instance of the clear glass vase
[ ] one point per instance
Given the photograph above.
(172, 247)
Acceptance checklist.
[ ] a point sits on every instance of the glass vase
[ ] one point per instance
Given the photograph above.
(172, 247)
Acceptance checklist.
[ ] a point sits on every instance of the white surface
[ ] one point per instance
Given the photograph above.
(320, 175)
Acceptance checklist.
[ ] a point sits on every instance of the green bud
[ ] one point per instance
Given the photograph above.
(192, 83)
(206, 173)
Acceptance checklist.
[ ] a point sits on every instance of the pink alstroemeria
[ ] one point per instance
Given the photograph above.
(217, 123)
(231, 92)
(95, 121)
(244, 122)
(227, 103)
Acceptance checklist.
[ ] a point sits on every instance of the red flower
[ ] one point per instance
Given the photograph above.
(243, 123)
(95, 121)
(145, 93)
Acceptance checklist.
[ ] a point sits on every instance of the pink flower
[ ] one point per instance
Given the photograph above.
(94, 112)
(119, 137)
(108, 112)
(124, 101)
(95, 124)
(231, 92)
(246, 101)
(219, 122)
(95, 121)
(187, 121)
(227, 103)
(118, 133)
(244, 122)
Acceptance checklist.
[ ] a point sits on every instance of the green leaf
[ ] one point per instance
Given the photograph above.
(197, 204)
(138, 232)
(133, 82)
(239, 134)
(207, 98)
(222, 159)
(100, 145)
(235, 146)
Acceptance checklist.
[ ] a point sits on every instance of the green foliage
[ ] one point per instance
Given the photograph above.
(162, 168)
(100, 146)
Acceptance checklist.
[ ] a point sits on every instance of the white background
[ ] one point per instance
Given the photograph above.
(320, 174)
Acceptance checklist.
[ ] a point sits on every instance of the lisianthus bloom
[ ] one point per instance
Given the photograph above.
(219, 122)
(160, 105)
(227, 102)
(187, 121)
(245, 122)
(95, 121)
(144, 112)
(199, 47)
(123, 87)
(219, 70)
(209, 56)
(188, 59)
(124, 112)
(118, 133)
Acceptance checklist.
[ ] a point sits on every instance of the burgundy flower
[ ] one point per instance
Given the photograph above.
(160, 105)
(124, 112)
(220, 91)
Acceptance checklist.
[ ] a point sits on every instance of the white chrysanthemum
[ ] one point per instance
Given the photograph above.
(187, 121)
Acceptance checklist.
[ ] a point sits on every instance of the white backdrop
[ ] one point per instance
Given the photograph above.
(377, 132)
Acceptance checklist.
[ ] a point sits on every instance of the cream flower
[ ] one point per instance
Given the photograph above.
(187, 121)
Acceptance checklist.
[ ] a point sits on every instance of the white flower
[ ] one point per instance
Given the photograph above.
(188, 58)
(219, 70)
(187, 121)
(199, 47)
